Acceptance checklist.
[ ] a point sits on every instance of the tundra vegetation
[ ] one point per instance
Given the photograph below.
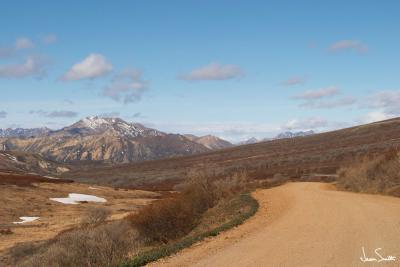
(375, 174)
(167, 224)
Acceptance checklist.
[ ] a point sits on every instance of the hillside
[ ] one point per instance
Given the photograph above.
(21, 162)
(210, 141)
(105, 139)
(297, 157)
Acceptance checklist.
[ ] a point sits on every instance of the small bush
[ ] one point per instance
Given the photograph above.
(6, 231)
(377, 175)
(146, 257)
(105, 245)
(169, 219)
(95, 216)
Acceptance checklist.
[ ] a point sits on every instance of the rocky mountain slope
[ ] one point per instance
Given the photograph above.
(17, 162)
(209, 141)
(105, 139)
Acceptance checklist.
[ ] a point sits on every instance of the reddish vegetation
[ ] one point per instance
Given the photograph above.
(7, 178)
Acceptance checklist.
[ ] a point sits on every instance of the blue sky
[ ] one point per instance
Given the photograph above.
(235, 69)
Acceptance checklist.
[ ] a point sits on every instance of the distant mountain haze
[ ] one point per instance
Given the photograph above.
(283, 135)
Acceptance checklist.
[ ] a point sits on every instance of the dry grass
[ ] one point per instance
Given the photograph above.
(105, 245)
(373, 175)
(98, 243)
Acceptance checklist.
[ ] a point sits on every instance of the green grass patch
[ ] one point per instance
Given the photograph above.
(146, 257)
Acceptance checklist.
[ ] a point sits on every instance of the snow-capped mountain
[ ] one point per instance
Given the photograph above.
(105, 139)
(289, 134)
(251, 140)
(112, 126)
(283, 135)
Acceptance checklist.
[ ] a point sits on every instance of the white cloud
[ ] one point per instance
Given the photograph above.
(111, 114)
(294, 81)
(55, 113)
(388, 101)
(32, 66)
(127, 86)
(348, 45)
(214, 71)
(342, 102)
(3, 114)
(6, 52)
(377, 115)
(305, 124)
(49, 38)
(11, 50)
(317, 94)
(93, 66)
(23, 43)
(233, 131)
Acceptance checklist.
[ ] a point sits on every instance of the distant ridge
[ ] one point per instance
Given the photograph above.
(210, 141)
(283, 135)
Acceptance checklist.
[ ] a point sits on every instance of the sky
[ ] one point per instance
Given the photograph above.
(235, 69)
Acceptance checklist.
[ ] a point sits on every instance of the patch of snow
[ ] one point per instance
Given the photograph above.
(93, 188)
(75, 198)
(26, 219)
(50, 177)
(11, 157)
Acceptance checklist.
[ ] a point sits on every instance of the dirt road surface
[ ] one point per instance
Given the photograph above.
(305, 224)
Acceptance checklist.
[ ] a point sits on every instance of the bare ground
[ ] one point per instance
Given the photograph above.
(304, 224)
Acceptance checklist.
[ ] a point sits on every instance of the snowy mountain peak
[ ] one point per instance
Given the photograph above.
(114, 126)
(95, 122)
(294, 134)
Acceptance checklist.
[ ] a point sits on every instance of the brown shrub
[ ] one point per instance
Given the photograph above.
(373, 175)
(169, 219)
(6, 231)
(95, 216)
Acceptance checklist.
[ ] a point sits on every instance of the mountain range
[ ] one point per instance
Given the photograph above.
(107, 139)
(24, 133)
(113, 140)
(287, 134)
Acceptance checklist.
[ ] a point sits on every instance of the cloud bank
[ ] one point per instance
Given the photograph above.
(294, 81)
(127, 86)
(55, 113)
(305, 124)
(317, 94)
(32, 66)
(214, 71)
(348, 45)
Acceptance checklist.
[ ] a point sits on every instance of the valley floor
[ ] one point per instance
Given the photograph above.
(305, 224)
(18, 199)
